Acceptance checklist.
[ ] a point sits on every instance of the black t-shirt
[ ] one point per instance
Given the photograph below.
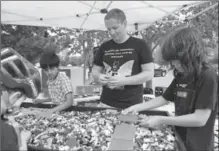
(123, 59)
(9, 141)
(197, 138)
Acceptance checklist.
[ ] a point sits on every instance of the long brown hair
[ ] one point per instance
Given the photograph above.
(186, 45)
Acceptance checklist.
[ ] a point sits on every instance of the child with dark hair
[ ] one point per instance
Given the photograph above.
(12, 137)
(59, 85)
(194, 91)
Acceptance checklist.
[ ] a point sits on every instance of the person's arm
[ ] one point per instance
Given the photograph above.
(197, 119)
(207, 94)
(146, 75)
(23, 146)
(98, 67)
(67, 89)
(96, 72)
(68, 102)
(25, 136)
(151, 104)
(154, 103)
(42, 100)
(147, 65)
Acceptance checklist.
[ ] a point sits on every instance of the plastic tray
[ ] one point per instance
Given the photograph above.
(84, 109)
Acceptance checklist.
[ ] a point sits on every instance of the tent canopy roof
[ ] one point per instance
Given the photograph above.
(85, 14)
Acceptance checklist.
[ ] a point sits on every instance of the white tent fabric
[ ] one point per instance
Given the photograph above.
(86, 14)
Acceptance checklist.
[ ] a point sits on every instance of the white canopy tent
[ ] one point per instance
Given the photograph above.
(87, 15)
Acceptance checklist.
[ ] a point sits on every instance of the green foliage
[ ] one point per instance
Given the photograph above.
(206, 22)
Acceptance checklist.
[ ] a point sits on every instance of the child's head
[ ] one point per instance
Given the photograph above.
(184, 49)
(49, 62)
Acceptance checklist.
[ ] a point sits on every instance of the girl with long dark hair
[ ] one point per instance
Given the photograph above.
(194, 91)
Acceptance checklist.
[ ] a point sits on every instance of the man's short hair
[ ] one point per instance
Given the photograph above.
(117, 14)
(49, 59)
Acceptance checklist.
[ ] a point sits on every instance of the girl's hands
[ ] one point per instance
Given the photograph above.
(152, 122)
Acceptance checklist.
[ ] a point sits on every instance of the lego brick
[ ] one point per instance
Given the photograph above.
(124, 132)
(72, 142)
(121, 145)
(128, 118)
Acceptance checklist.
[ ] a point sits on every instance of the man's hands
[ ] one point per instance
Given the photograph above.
(116, 81)
(103, 79)
(112, 81)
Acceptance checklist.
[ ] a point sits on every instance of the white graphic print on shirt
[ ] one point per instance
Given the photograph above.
(116, 69)
(119, 62)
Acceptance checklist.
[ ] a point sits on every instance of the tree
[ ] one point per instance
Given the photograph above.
(30, 40)
(206, 22)
(24, 39)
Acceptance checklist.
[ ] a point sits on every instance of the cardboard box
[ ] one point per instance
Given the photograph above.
(128, 118)
(124, 132)
(123, 137)
(121, 145)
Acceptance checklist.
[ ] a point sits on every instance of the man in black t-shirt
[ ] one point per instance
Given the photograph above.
(122, 64)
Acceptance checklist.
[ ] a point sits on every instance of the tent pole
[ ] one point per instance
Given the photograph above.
(88, 15)
(210, 7)
(109, 4)
(159, 9)
(89, 5)
(179, 9)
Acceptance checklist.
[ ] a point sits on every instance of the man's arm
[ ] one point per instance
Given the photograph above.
(197, 119)
(147, 65)
(66, 104)
(96, 71)
(99, 78)
(146, 75)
